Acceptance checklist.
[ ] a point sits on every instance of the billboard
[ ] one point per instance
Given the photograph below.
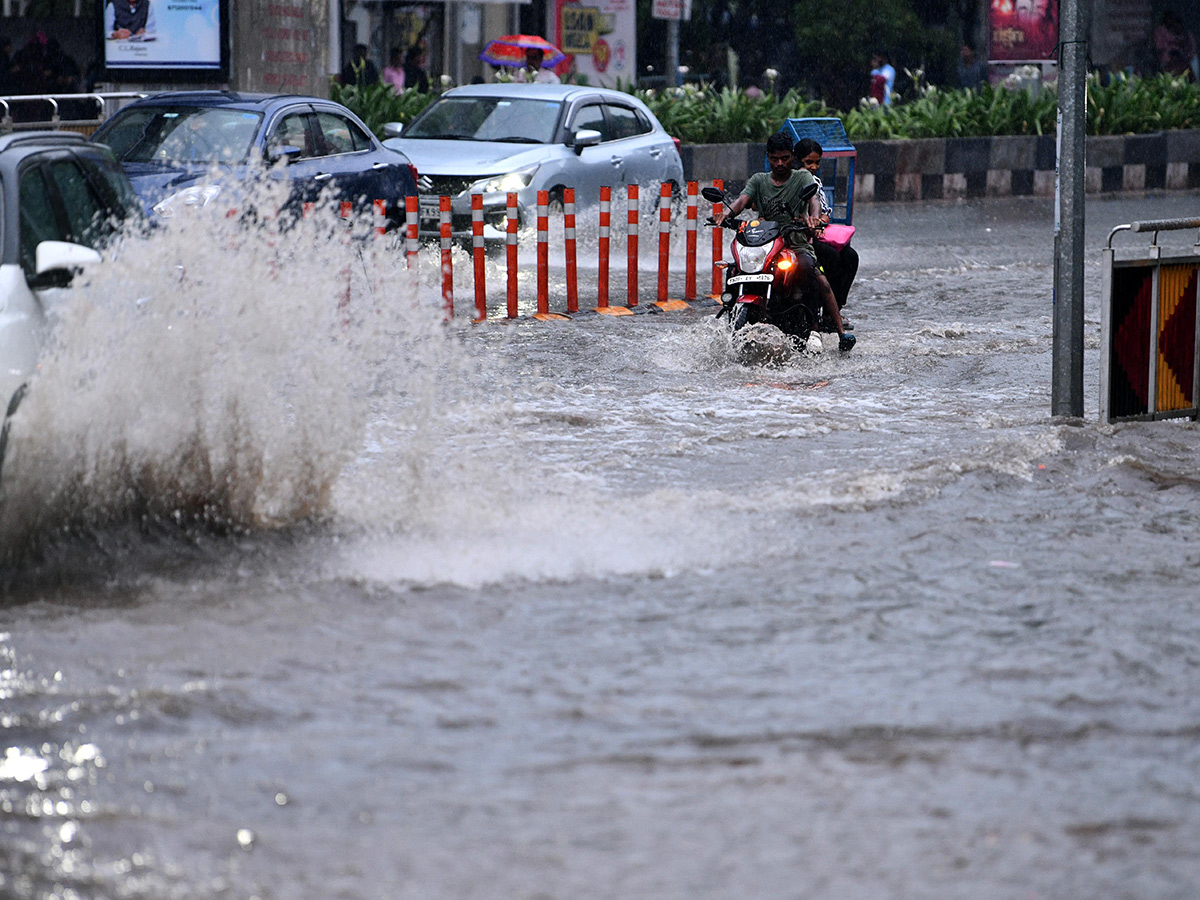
(146, 40)
(599, 38)
(1023, 31)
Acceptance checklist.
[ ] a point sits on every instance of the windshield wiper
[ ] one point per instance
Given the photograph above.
(440, 137)
(515, 139)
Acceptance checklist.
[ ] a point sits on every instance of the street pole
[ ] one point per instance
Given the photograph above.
(1066, 397)
(672, 53)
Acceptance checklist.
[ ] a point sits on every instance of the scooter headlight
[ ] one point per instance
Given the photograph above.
(752, 259)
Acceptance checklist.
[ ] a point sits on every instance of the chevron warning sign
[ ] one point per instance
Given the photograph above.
(1152, 340)
(1176, 337)
(1129, 378)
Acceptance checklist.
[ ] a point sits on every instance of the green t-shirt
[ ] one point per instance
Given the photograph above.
(769, 199)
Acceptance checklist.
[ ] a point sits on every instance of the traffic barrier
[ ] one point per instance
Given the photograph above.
(569, 241)
(477, 251)
(447, 262)
(411, 225)
(602, 264)
(1150, 360)
(543, 252)
(664, 241)
(570, 249)
(631, 240)
(510, 240)
(379, 207)
(689, 289)
(718, 251)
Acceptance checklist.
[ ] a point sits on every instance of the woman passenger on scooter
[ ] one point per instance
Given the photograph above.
(839, 266)
(774, 194)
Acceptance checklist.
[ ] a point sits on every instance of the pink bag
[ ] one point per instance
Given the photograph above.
(837, 235)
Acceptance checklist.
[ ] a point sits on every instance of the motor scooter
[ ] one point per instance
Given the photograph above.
(762, 279)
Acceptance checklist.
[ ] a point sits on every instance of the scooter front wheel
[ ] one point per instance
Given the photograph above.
(744, 314)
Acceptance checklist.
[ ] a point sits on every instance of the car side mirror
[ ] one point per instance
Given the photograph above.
(392, 129)
(53, 255)
(57, 262)
(286, 152)
(585, 137)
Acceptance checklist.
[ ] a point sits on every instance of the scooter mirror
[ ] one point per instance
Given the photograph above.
(807, 193)
(714, 195)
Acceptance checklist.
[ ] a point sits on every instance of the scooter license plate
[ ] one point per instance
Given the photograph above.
(743, 279)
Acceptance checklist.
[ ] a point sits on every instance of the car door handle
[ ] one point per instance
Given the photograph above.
(656, 152)
(616, 160)
(322, 176)
(377, 166)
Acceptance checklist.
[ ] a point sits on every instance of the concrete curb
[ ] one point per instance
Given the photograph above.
(954, 168)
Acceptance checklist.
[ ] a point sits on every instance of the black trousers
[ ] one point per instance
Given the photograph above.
(839, 266)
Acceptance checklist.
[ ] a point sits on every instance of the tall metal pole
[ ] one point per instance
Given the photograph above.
(1066, 397)
(672, 64)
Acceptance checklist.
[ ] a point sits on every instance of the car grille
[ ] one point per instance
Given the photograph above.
(444, 185)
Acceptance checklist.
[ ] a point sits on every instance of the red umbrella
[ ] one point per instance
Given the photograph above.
(510, 50)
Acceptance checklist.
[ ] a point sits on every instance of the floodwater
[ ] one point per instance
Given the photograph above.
(310, 599)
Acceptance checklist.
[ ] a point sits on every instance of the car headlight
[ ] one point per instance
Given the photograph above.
(502, 184)
(196, 197)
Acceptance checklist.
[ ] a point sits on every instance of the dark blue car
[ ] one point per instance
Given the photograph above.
(171, 144)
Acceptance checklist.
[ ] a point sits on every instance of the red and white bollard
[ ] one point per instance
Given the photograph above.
(379, 207)
(477, 251)
(510, 240)
(569, 241)
(693, 202)
(664, 241)
(411, 225)
(447, 263)
(602, 271)
(632, 242)
(718, 251)
(543, 252)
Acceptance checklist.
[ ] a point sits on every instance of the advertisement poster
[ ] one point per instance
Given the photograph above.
(599, 38)
(1023, 31)
(163, 35)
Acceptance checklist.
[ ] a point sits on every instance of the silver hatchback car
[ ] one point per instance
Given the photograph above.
(491, 139)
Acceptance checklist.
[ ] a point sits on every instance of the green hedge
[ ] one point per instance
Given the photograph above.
(698, 114)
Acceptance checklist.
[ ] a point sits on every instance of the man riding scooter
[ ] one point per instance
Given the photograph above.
(774, 194)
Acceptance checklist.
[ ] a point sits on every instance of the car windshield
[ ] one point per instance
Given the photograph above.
(507, 119)
(171, 135)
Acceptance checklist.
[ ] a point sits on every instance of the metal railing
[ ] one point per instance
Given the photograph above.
(84, 112)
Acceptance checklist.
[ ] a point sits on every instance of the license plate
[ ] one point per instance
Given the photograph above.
(430, 207)
(742, 279)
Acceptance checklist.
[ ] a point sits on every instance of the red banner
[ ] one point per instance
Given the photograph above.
(1023, 30)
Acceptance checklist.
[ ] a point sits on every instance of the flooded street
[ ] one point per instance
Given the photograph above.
(587, 609)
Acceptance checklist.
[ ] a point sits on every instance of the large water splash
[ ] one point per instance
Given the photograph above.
(217, 370)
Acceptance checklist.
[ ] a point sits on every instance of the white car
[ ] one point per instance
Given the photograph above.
(495, 138)
(61, 197)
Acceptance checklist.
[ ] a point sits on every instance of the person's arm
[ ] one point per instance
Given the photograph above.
(150, 25)
(735, 208)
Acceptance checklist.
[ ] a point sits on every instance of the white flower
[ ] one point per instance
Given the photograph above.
(683, 70)
(771, 74)
(445, 81)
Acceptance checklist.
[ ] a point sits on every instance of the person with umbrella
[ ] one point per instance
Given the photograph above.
(533, 71)
(530, 55)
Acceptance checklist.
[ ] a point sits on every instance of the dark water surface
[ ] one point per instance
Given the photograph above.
(588, 609)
